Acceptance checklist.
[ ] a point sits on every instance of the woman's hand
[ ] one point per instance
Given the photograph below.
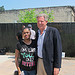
(19, 72)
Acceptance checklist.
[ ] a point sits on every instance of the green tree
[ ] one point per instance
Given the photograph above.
(27, 16)
(50, 15)
(2, 8)
(30, 16)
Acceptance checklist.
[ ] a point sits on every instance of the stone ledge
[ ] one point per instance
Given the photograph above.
(69, 58)
(8, 53)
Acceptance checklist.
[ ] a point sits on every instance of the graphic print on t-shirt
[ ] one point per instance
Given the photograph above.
(27, 55)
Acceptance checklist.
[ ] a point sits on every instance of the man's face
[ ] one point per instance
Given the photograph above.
(41, 23)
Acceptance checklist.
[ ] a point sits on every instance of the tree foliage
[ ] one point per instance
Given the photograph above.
(50, 15)
(2, 8)
(30, 16)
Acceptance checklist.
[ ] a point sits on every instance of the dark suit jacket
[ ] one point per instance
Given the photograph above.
(52, 50)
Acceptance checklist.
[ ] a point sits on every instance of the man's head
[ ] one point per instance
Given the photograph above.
(29, 26)
(23, 26)
(19, 35)
(42, 20)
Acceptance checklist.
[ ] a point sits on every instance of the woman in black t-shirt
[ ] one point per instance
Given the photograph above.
(27, 52)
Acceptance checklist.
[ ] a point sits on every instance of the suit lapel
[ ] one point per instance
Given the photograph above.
(46, 35)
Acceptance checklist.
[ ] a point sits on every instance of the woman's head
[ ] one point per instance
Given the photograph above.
(26, 33)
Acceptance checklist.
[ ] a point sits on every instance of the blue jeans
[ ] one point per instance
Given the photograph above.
(33, 72)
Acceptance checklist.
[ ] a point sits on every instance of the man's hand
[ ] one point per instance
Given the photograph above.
(56, 71)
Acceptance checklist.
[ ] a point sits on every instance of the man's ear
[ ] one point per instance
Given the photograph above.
(46, 22)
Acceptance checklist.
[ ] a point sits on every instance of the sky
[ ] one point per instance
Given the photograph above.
(24, 4)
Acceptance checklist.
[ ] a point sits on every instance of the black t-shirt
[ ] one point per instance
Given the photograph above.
(28, 55)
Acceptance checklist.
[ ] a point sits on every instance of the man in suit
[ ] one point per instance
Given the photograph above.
(49, 48)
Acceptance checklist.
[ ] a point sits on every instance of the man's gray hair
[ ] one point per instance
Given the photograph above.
(43, 15)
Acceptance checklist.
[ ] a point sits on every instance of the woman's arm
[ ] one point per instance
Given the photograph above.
(16, 61)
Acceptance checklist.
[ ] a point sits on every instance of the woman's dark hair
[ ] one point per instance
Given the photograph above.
(26, 28)
(19, 35)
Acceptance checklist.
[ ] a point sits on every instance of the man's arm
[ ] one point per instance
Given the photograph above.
(57, 52)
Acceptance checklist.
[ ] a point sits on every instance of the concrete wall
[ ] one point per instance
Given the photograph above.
(9, 16)
(61, 14)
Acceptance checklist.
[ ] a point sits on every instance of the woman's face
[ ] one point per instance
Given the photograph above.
(26, 33)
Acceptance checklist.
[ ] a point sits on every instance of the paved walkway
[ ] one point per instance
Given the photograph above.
(4, 58)
(68, 67)
(7, 66)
